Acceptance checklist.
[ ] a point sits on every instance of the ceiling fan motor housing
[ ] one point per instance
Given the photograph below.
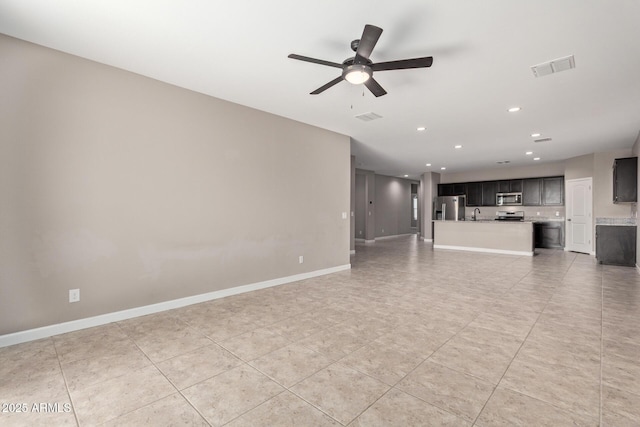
(357, 73)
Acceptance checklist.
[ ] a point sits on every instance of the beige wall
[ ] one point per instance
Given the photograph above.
(138, 192)
(579, 167)
(513, 172)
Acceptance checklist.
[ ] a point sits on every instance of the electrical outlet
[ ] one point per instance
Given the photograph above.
(538, 213)
(344, 215)
(300, 259)
(74, 295)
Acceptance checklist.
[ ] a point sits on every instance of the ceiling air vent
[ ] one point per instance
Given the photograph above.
(542, 140)
(554, 66)
(503, 162)
(367, 117)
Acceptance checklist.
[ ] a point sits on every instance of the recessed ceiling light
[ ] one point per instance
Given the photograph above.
(443, 168)
(421, 128)
(536, 158)
(535, 135)
(406, 176)
(428, 164)
(458, 146)
(513, 109)
(528, 153)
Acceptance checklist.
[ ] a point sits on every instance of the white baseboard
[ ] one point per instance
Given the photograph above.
(394, 236)
(103, 319)
(427, 240)
(486, 250)
(360, 240)
(369, 241)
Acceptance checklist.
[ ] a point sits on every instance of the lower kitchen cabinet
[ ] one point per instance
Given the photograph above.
(549, 234)
(616, 245)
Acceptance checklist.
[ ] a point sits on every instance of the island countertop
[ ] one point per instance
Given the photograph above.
(505, 237)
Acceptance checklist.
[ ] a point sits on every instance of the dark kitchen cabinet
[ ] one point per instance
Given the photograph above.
(532, 191)
(616, 245)
(474, 194)
(549, 234)
(489, 190)
(515, 186)
(454, 189)
(504, 186)
(625, 180)
(445, 190)
(553, 191)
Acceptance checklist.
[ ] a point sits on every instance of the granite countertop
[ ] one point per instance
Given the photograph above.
(629, 222)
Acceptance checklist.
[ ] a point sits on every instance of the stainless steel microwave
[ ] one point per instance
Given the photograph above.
(508, 199)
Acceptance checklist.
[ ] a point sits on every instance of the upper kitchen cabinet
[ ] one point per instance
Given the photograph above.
(474, 194)
(625, 180)
(553, 191)
(454, 189)
(515, 186)
(489, 190)
(504, 186)
(445, 190)
(532, 192)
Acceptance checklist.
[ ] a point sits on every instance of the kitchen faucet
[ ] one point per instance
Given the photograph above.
(474, 217)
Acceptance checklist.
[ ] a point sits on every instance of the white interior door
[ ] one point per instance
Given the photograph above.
(579, 215)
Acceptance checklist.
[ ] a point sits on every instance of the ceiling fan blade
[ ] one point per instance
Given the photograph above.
(375, 87)
(368, 41)
(327, 86)
(403, 64)
(314, 60)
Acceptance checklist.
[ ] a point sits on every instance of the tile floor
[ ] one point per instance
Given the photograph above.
(409, 336)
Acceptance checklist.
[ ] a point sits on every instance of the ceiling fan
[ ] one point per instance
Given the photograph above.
(359, 69)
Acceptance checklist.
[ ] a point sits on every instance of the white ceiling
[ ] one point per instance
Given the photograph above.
(483, 50)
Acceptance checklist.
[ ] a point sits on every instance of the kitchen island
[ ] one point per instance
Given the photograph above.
(503, 237)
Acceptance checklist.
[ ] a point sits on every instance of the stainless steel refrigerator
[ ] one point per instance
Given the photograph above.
(449, 208)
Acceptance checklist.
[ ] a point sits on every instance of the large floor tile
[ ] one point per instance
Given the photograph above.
(509, 408)
(339, 391)
(456, 392)
(198, 365)
(226, 396)
(291, 364)
(480, 352)
(620, 407)
(254, 344)
(563, 386)
(397, 408)
(387, 363)
(284, 410)
(115, 397)
(172, 410)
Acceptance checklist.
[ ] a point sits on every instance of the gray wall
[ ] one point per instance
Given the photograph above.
(361, 206)
(352, 208)
(636, 152)
(428, 190)
(138, 192)
(392, 206)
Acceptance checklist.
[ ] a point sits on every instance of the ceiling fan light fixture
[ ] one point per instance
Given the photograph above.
(357, 73)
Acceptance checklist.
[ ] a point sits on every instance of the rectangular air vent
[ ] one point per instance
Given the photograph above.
(542, 140)
(554, 66)
(367, 117)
